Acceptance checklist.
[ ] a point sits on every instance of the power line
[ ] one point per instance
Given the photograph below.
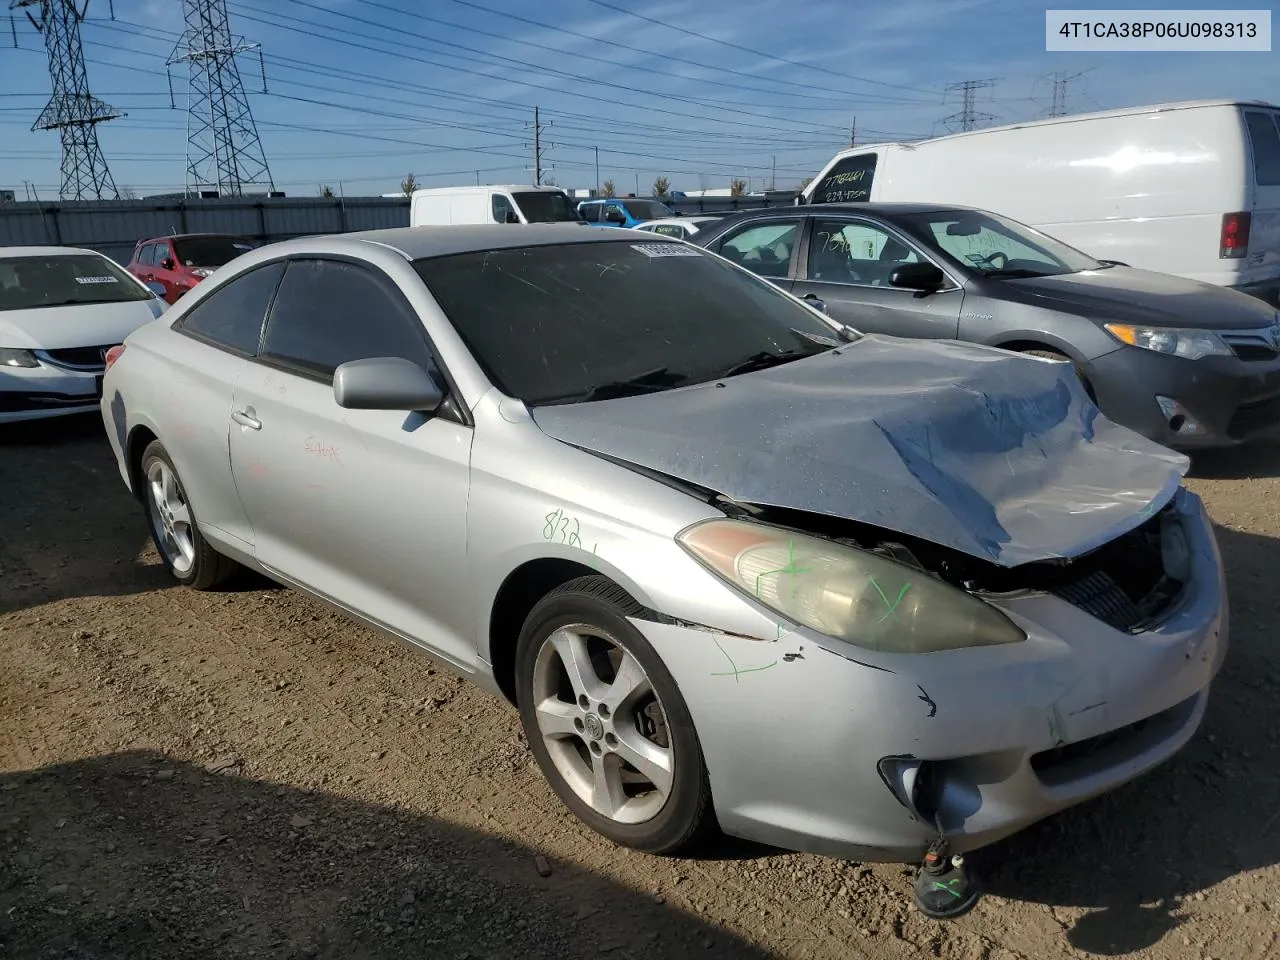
(72, 110)
(223, 147)
(967, 118)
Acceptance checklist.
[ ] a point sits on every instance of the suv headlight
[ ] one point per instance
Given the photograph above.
(1188, 344)
(846, 593)
(17, 358)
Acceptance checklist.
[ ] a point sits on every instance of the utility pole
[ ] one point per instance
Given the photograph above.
(773, 174)
(72, 110)
(853, 133)
(968, 118)
(637, 183)
(597, 151)
(224, 151)
(539, 147)
(1061, 81)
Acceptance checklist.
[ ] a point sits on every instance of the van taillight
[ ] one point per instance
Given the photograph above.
(112, 355)
(1235, 236)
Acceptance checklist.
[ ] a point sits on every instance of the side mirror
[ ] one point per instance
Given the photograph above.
(816, 303)
(167, 263)
(917, 276)
(386, 383)
(513, 217)
(614, 215)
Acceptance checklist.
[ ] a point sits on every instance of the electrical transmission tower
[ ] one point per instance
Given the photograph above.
(224, 152)
(72, 110)
(540, 148)
(1061, 80)
(968, 118)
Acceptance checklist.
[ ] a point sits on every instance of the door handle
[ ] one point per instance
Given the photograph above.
(246, 419)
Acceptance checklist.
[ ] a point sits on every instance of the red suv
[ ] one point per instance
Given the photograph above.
(178, 263)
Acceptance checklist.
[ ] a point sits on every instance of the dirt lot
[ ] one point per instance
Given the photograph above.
(242, 774)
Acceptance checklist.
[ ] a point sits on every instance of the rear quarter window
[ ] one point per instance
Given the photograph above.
(1264, 138)
(849, 181)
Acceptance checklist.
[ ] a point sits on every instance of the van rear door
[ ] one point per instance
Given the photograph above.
(848, 180)
(1261, 273)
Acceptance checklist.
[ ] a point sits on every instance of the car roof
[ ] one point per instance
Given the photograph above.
(414, 243)
(190, 236)
(7, 253)
(872, 209)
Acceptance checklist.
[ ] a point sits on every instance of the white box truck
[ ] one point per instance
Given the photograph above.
(1190, 188)
(436, 206)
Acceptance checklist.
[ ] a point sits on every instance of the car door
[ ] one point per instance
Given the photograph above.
(143, 262)
(218, 337)
(367, 508)
(846, 264)
(767, 247)
(164, 271)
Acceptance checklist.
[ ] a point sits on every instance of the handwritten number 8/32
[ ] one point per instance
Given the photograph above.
(567, 528)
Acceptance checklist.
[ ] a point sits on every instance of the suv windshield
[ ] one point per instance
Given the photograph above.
(64, 280)
(546, 206)
(994, 246)
(210, 251)
(648, 209)
(556, 324)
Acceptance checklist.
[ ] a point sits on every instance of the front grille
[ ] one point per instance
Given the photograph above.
(1256, 417)
(1253, 351)
(1252, 345)
(81, 358)
(14, 402)
(1098, 594)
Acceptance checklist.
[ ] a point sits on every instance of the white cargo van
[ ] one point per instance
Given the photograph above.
(502, 204)
(1191, 188)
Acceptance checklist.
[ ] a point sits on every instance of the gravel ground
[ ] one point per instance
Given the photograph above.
(244, 774)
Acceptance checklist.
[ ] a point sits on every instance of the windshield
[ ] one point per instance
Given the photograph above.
(546, 206)
(647, 209)
(994, 246)
(551, 324)
(210, 251)
(63, 280)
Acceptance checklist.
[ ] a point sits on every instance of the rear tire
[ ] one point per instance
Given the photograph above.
(606, 722)
(172, 520)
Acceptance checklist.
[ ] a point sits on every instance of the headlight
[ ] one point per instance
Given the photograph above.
(17, 358)
(846, 593)
(202, 271)
(1189, 344)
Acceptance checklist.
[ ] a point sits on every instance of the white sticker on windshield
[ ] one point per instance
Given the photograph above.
(665, 250)
(97, 280)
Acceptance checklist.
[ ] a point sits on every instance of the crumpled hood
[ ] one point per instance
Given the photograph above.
(80, 325)
(1128, 295)
(997, 455)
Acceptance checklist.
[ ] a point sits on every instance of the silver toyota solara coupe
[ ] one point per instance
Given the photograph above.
(736, 564)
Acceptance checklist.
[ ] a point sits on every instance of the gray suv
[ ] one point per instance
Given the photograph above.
(1182, 362)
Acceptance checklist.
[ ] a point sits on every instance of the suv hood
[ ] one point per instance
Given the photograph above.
(995, 454)
(1128, 295)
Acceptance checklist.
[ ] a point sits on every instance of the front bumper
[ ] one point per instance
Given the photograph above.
(793, 731)
(36, 393)
(1234, 400)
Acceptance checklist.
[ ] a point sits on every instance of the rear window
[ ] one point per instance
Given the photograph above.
(849, 181)
(545, 206)
(65, 280)
(1265, 138)
(210, 251)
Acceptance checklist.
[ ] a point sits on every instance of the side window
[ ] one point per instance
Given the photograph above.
(849, 181)
(591, 212)
(160, 254)
(669, 230)
(1266, 148)
(854, 252)
(146, 255)
(989, 249)
(763, 248)
(231, 317)
(502, 208)
(328, 312)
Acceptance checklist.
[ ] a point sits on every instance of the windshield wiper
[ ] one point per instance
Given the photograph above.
(651, 381)
(763, 360)
(1023, 274)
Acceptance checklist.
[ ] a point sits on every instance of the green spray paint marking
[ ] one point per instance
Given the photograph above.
(736, 671)
(893, 607)
(789, 568)
(947, 887)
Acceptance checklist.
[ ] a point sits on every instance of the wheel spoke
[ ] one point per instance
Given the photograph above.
(607, 795)
(157, 492)
(168, 486)
(650, 759)
(181, 514)
(555, 718)
(629, 682)
(573, 652)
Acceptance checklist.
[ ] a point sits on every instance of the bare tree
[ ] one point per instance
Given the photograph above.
(804, 183)
(126, 193)
(409, 184)
(608, 189)
(549, 182)
(737, 188)
(326, 191)
(661, 188)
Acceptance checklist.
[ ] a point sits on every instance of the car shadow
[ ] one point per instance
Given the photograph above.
(134, 855)
(1212, 812)
(1258, 459)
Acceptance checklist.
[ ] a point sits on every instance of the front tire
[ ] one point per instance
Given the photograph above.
(606, 722)
(1063, 358)
(184, 550)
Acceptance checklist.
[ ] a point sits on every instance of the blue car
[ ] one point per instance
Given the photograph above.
(625, 212)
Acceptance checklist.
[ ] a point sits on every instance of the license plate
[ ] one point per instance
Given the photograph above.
(97, 387)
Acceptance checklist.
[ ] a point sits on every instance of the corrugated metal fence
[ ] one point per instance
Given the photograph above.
(113, 227)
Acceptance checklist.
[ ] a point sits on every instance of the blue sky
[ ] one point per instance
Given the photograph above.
(361, 92)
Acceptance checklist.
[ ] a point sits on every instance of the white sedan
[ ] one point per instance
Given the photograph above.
(682, 228)
(61, 309)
